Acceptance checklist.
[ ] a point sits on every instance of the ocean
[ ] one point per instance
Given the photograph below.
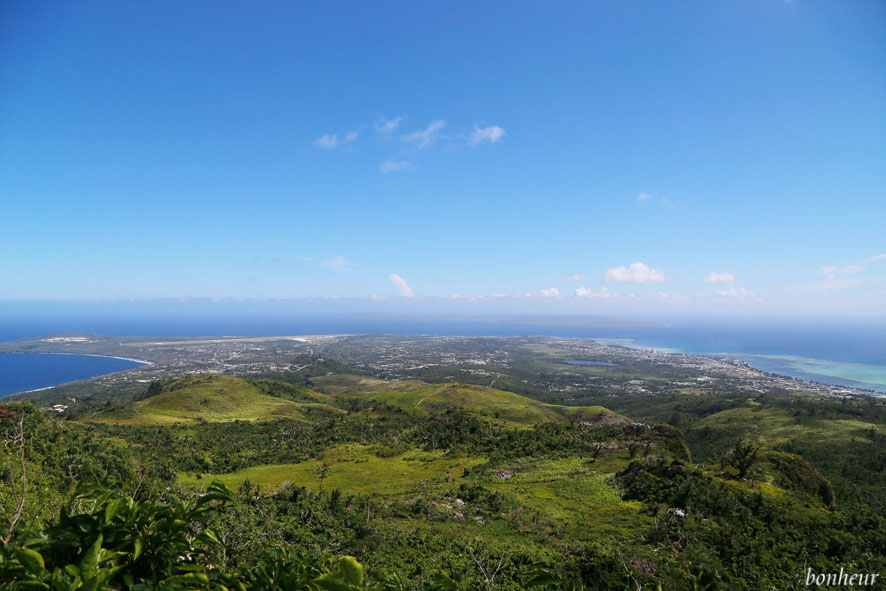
(21, 372)
(839, 353)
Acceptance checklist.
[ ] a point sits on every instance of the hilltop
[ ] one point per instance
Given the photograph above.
(212, 398)
(420, 398)
(218, 398)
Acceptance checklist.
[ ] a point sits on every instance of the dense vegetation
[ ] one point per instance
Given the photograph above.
(437, 486)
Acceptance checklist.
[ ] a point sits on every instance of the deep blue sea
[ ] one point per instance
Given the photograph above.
(851, 353)
(30, 371)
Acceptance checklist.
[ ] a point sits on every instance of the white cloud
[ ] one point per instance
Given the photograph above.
(573, 277)
(463, 296)
(542, 293)
(401, 284)
(736, 292)
(833, 272)
(584, 292)
(387, 125)
(646, 196)
(393, 165)
(714, 277)
(491, 134)
(351, 136)
(635, 273)
(327, 141)
(338, 263)
(426, 136)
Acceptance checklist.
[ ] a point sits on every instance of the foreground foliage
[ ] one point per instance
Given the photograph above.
(114, 542)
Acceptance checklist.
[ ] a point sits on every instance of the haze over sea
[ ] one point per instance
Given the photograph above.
(850, 353)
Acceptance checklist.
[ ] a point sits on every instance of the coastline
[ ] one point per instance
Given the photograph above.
(29, 391)
(790, 366)
(132, 359)
(141, 362)
(823, 374)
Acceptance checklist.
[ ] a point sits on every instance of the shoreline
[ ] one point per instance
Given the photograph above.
(807, 375)
(132, 359)
(141, 362)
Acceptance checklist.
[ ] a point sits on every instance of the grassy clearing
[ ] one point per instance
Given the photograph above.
(353, 468)
(422, 399)
(771, 426)
(549, 350)
(209, 398)
(340, 383)
(573, 493)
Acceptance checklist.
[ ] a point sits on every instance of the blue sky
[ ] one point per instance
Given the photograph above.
(556, 157)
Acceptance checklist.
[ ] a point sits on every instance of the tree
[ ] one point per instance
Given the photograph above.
(742, 457)
(14, 467)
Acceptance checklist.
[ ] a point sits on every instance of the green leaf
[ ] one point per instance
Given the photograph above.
(90, 558)
(332, 583)
(209, 537)
(111, 509)
(190, 578)
(351, 570)
(31, 560)
(541, 577)
(137, 547)
(31, 585)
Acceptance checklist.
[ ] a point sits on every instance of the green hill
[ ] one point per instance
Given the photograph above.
(211, 398)
(354, 468)
(420, 398)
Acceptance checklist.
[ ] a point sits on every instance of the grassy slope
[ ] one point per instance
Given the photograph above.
(573, 494)
(569, 496)
(546, 501)
(772, 426)
(420, 398)
(354, 468)
(211, 398)
(561, 492)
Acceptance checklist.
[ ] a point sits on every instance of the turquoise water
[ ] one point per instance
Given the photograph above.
(871, 377)
(835, 373)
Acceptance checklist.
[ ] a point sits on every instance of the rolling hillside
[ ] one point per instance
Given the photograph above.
(210, 398)
(420, 398)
